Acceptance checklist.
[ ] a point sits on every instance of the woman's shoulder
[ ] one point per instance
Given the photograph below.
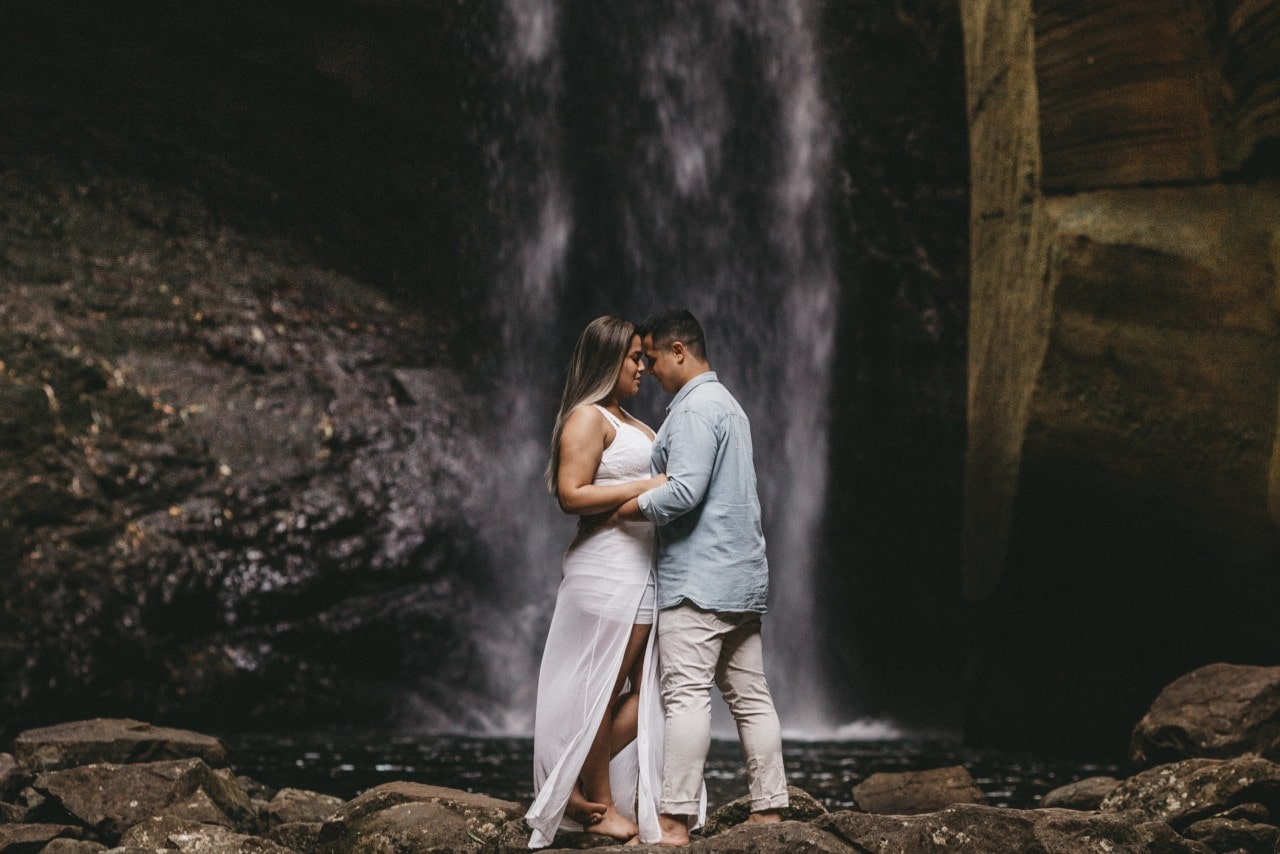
(587, 419)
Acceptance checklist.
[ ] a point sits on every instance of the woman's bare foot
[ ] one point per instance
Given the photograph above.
(584, 812)
(614, 825)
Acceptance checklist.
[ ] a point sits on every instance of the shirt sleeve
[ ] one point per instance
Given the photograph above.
(691, 455)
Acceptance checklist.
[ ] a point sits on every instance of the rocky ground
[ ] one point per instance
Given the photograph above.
(128, 787)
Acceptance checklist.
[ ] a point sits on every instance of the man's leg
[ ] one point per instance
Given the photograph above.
(688, 647)
(740, 677)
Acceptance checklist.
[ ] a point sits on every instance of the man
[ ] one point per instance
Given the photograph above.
(712, 578)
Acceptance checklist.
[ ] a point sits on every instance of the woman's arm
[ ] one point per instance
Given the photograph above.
(582, 444)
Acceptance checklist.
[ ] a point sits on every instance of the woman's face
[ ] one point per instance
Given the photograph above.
(632, 369)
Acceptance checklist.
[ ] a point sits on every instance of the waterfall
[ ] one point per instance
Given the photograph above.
(678, 155)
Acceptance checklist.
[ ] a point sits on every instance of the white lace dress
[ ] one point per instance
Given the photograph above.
(606, 589)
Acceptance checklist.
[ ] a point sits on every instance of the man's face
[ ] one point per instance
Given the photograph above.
(662, 364)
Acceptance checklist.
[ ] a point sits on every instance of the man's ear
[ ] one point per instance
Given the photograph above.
(678, 351)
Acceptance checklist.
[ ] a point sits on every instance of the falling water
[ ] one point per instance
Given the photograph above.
(717, 148)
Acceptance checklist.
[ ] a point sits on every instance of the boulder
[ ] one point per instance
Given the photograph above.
(413, 826)
(1182, 793)
(73, 846)
(978, 829)
(1223, 834)
(23, 838)
(915, 792)
(296, 836)
(298, 805)
(23, 807)
(1086, 794)
(803, 807)
(113, 740)
(154, 832)
(417, 816)
(109, 799)
(783, 838)
(211, 839)
(1218, 711)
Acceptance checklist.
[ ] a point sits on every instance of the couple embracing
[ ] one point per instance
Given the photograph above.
(642, 629)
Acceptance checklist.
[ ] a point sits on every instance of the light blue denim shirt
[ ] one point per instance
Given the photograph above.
(710, 547)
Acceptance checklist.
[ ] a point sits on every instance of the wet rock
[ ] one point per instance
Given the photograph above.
(1184, 792)
(26, 804)
(211, 839)
(802, 807)
(24, 838)
(1224, 835)
(113, 740)
(109, 799)
(1086, 794)
(154, 832)
(1218, 711)
(417, 815)
(298, 805)
(1248, 812)
(977, 829)
(914, 792)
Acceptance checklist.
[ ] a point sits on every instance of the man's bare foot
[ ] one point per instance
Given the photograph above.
(584, 812)
(614, 825)
(765, 817)
(675, 831)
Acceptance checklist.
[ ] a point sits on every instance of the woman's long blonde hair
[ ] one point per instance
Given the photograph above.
(593, 373)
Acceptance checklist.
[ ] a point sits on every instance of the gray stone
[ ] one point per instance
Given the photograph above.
(977, 829)
(915, 792)
(113, 740)
(154, 832)
(406, 828)
(787, 837)
(299, 805)
(1181, 793)
(109, 799)
(1086, 794)
(1219, 711)
(803, 807)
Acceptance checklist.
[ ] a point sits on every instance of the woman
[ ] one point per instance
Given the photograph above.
(598, 729)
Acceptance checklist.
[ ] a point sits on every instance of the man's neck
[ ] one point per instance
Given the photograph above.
(705, 368)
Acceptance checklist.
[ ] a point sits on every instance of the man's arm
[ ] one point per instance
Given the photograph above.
(692, 444)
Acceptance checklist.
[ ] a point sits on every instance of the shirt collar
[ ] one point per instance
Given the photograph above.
(708, 377)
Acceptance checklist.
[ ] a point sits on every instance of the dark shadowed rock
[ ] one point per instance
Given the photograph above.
(109, 799)
(115, 740)
(1218, 711)
(1225, 835)
(25, 805)
(976, 829)
(12, 777)
(803, 807)
(290, 806)
(1086, 794)
(24, 838)
(1184, 792)
(421, 816)
(914, 792)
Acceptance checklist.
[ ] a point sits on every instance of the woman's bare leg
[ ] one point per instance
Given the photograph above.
(595, 770)
(626, 710)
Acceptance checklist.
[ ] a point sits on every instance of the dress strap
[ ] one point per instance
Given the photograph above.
(613, 419)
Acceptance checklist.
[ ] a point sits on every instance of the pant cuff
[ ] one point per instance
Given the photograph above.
(773, 802)
(679, 807)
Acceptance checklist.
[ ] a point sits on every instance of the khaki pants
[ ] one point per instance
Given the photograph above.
(695, 649)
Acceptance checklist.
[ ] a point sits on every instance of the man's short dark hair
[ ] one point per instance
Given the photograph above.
(676, 324)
